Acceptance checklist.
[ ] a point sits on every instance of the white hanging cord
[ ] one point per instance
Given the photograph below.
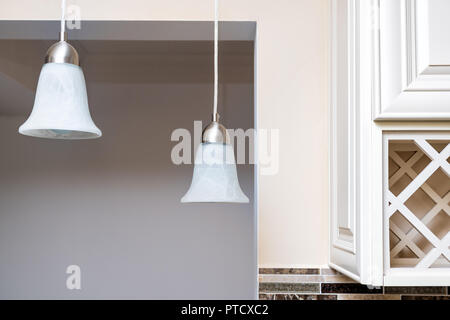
(216, 58)
(63, 19)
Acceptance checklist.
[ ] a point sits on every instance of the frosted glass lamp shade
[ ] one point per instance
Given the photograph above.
(61, 109)
(215, 177)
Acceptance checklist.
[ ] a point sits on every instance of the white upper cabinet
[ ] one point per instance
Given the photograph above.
(390, 141)
(411, 59)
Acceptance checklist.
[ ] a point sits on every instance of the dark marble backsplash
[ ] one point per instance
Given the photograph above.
(328, 284)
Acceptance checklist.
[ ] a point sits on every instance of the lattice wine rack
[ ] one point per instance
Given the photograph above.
(417, 198)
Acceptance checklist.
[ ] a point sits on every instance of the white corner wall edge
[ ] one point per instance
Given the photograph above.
(256, 157)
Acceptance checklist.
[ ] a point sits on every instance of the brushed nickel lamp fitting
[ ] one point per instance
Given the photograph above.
(62, 52)
(216, 132)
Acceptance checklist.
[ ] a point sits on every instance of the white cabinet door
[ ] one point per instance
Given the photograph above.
(350, 230)
(412, 60)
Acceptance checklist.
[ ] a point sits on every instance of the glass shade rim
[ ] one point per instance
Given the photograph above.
(183, 200)
(73, 134)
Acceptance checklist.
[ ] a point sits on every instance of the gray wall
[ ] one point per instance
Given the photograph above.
(112, 205)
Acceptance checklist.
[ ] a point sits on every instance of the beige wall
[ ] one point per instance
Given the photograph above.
(292, 75)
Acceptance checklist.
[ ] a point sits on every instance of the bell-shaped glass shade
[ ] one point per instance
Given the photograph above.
(61, 109)
(215, 177)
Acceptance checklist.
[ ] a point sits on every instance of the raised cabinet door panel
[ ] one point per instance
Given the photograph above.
(438, 33)
(412, 60)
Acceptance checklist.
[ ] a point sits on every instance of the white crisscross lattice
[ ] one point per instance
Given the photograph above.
(397, 203)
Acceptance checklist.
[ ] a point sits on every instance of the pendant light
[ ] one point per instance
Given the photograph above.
(61, 109)
(215, 177)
